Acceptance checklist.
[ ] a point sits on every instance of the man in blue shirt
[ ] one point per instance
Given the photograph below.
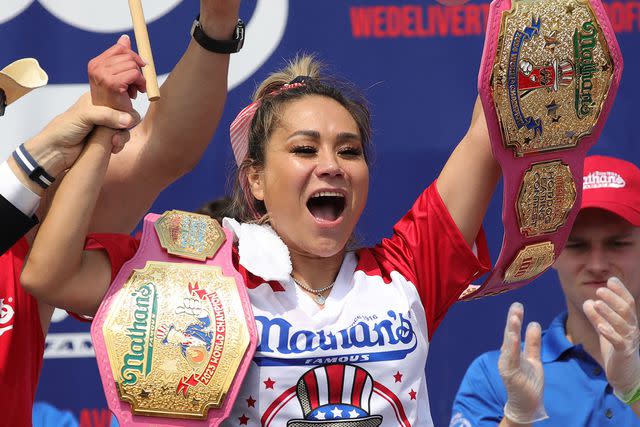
(587, 362)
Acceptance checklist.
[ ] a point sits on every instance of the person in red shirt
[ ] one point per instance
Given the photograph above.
(23, 319)
(303, 168)
(194, 93)
(25, 175)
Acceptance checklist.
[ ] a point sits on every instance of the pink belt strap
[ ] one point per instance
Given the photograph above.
(174, 336)
(549, 74)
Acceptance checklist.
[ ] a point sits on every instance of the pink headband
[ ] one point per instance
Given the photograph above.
(239, 134)
(239, 129)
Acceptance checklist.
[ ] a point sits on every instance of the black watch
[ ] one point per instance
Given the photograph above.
(218, 46)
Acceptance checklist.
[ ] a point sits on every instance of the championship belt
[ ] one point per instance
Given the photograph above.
(175, 334)
(549, 74)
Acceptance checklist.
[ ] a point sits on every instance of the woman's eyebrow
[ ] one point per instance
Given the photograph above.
(347, 136)
(313, 134)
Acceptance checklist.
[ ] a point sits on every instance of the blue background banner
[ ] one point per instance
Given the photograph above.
(416, 61)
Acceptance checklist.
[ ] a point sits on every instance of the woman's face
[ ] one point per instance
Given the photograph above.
(315, 180)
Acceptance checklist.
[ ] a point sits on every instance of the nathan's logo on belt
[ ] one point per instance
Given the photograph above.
(524, 76)
(175, 337)
(176, 333)
(138, 359)
(584, 41)
(550, 76)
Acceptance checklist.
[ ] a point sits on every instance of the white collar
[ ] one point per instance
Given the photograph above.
(261, 250)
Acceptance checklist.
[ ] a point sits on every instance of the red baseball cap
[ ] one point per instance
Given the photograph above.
(614, 185)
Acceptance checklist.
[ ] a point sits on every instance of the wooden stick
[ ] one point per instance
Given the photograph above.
(144, 49)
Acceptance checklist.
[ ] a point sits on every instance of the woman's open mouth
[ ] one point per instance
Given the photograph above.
(326, 206)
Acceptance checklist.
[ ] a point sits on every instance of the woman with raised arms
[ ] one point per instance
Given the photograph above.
(343, 334)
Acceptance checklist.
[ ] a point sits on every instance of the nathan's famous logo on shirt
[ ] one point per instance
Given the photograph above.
(138, 359)
(368, 339)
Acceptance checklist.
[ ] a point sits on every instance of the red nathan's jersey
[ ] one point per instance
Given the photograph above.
(21, 341)
(360, 358)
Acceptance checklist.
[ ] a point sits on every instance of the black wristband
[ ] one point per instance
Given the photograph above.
(34, 171)
(218, 46)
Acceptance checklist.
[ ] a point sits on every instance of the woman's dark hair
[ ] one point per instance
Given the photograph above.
(217, 208)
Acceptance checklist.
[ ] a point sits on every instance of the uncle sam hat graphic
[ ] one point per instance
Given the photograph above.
(335, 395)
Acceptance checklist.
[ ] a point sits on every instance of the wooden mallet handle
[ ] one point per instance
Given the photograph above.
(144, 49)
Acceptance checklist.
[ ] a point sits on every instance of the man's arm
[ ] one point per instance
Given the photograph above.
(55, 149)
(508, 390)
(481, 396)
(176, 130)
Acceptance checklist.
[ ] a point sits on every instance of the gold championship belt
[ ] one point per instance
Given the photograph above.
(175, 333)
(550, 70)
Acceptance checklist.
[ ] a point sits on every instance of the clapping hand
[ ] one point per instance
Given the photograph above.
(522, 371)
(613, 316)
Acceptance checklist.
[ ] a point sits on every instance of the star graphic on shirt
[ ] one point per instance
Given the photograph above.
(244, 419)
(269, 383)
(336, 412)
(398, 377)
(353, 413)
(251, 402)
(320, 416)
(412, 394)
